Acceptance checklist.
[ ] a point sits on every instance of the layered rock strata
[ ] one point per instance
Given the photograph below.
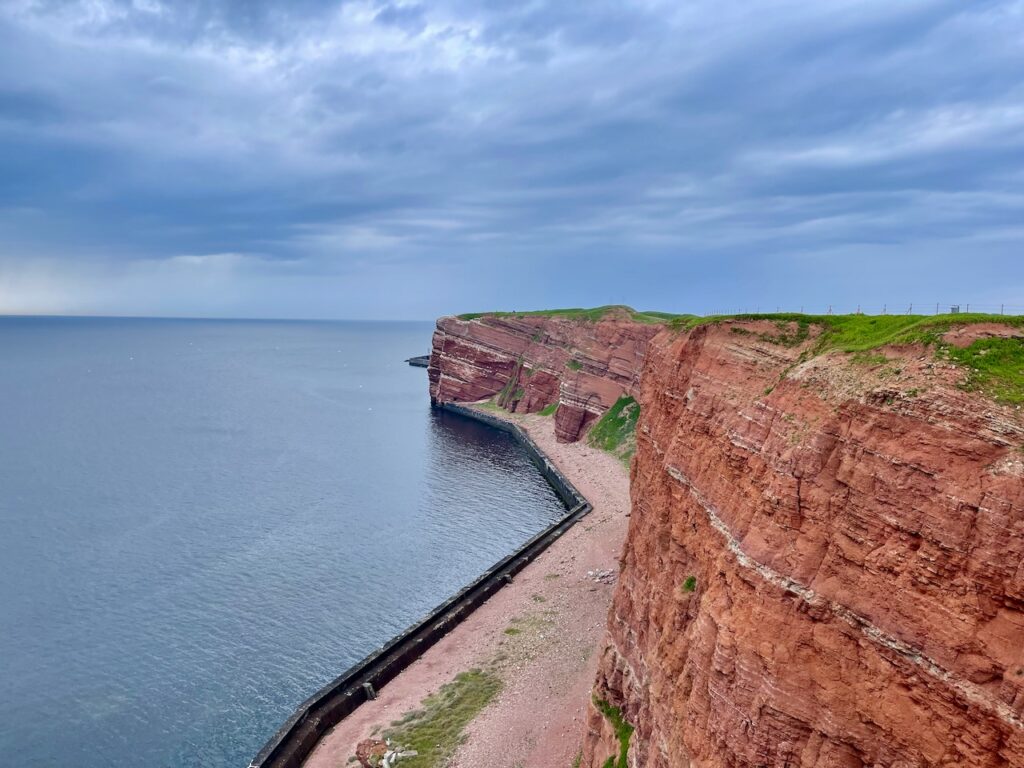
(824, 566)
(825, 562)
(530, 362)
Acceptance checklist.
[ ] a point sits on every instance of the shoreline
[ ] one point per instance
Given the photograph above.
(539, 635)
(292, 744)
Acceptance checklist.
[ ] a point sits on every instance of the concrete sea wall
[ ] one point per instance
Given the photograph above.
(294, 741)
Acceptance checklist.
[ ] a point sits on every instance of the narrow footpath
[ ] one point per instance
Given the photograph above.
(537, 639)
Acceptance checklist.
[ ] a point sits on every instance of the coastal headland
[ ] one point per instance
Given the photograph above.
(818, 562)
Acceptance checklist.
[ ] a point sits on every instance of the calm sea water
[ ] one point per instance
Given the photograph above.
(203, 522)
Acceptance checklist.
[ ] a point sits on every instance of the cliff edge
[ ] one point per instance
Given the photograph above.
(825, 560)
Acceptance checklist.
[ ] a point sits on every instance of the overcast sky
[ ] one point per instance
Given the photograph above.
(370, 159)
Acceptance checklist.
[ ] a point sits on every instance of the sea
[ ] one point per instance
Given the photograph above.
(202, 522)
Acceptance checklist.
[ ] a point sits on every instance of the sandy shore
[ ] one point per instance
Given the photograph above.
(541, 635)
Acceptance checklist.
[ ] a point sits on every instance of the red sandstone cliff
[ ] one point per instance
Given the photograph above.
(825, 561)
(533, 361)
(824, 567)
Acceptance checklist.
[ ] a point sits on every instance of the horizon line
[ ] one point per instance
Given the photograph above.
(71, 316)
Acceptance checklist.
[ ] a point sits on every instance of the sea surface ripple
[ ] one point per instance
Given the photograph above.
(203, 522)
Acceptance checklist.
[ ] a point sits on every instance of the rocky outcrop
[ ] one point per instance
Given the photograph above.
(825, 560)
(530, 362)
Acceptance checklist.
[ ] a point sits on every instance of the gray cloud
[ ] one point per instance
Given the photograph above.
(399, 159)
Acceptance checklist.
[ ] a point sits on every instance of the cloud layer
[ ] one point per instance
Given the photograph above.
(375, 159)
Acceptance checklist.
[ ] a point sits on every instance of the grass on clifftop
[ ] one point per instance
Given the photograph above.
(995, 367)
(590, 315)
(437, 728)
(849, 333)
(860, 333)
(615, 432)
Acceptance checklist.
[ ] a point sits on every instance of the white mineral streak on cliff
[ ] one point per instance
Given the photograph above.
(969, 691)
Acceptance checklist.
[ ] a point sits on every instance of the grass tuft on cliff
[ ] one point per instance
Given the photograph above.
(615, 432)
(623, 732)
(437, 728)
(578, 313)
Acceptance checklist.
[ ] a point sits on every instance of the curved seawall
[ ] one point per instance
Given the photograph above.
(294, 741)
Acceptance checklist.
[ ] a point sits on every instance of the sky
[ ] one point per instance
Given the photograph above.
(403, 160)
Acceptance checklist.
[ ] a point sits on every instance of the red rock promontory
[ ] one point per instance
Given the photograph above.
(532, 361)
(824, 566)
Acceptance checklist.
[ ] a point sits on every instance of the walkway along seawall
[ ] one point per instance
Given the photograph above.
(295, 740)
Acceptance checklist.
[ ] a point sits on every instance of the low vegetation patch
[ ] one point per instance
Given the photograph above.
(789, 334)
(615, 432)
(994, 366)
(437, 728)
(690, 584)
(623, 732)
(870, 359)
(511, 390)
(548, 410)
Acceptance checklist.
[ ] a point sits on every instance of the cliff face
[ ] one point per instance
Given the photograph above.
(825, 561)
(532, 361)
